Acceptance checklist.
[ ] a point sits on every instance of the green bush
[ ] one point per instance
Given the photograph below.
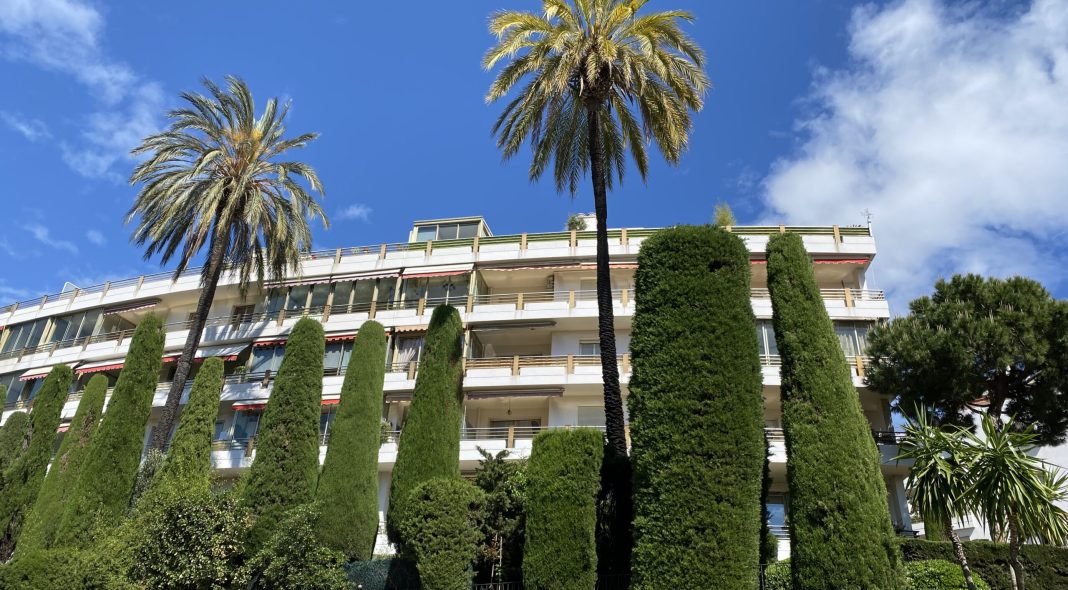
(503, 481)
(146, 474)
(840, 530)
(563, 478)
(777, 576)
(102, 493)
(430, 443)
(293, 557)
(348, 485)
(1045, 566)
(42, 521)
(938, 574)
(696, 414)
(52, 569)
(22, 480)
(286, 466)
(441, 529)
(13, 436)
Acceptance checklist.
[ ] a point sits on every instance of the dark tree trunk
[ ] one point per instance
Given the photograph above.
(216, 262)
(958, 550)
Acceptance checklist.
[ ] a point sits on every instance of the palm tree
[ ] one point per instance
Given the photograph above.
(1013, 490)
(937, 481)
(217, 176)
(595, 68)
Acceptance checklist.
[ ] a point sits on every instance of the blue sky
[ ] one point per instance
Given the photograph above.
(949, 124)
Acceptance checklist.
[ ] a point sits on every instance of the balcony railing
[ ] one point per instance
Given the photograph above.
(882, 437)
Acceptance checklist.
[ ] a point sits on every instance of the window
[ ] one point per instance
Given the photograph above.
(447, 289)
(246, 424)
(591, 416)
(766, 339)
(326, 422)
(267, 358)
(319, 294)
(24, 335)
(409, 349)
(776, 507)
(242, 313)
(590, 348)
(221, 431)
(427, 232)
(336, 356)
(447, 231)
(298, 297)
(276, 298)
(853, 336)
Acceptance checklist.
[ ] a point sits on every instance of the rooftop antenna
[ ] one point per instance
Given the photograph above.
(867, 215)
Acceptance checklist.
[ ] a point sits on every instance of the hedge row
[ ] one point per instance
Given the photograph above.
(1045, 566)
(697, 414)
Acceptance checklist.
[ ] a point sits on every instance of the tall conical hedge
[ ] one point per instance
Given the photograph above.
(22, 480)
(840, 530)
(102, 493)
(187, 466)
(286, 466)
(563, 477)
(43, 520)
(430, 440)
(696, 414)
(348, 485)
(13, 436)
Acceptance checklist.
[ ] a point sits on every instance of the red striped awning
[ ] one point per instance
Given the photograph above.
(251, 406)
(35, 374)
(263, 343)
(299, 282)
(827, 261)
(443, 270)
(134, 306)
(398, 329)
(331, 402)
(365, 276)
(580, 266)
(341, 337)
(171, 358)
(63, 428)
(112, 365)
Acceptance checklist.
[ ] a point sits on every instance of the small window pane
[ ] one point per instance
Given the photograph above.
(447, 232)
(275, 299)
(468, 230)
(89, 323)
(591, 416)
(428, 232)
(590, 348)
(364, 291)
(332, 355)
(319, 294)
(298, 297)
(342, 293)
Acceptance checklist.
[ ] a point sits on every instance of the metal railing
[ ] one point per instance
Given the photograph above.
(882, 437)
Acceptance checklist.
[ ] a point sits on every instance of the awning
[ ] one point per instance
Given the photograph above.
(860, 261)
(171, 358)
(366, 276)
(443, 270)
(244, 407)
(134, 306)
(63, 428)
(399, 329)
(265, 343)
(341, 337)
(579, 266)
(36, 373)
(227, 352)
(331, 402)
(514, 393)
(298, 282)
(97, 367)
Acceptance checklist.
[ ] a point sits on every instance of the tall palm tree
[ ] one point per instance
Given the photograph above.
(937, 481)
(592, 70)
(217, 176)
(1012, 489)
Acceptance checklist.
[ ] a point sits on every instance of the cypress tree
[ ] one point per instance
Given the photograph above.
(430, 441)
(102, 492)
(42, 521)
(563, 478)
(22, 480)
(840, 530)
(442, 529)
(13, 437)
(348, 485)
(286, 466)
(697, 414)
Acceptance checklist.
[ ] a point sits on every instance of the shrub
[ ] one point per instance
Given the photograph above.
(1045, 566)
(503, 481)
(24, 477)
(52, 569)
(42, 521)
(286, 467)
(840, 530)
(348, 485)
(441, 529)
(696, 414)
(777, 576)
(293, 557)
(430, 444)
(102, 492)
(383, 574)
(563, 477)
(13, 437)
(146, 474)
(938, 574)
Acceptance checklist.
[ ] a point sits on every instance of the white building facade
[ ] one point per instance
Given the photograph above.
(528, 304)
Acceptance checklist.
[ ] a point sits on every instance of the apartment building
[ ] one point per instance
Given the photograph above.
(528, 303)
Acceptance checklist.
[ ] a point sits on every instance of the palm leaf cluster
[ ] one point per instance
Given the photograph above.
(642, 74)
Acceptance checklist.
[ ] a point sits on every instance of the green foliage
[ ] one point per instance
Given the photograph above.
(102, 492)
(1002, 340)
(13, 436)
(563, 477)
(938, 574)
(348, 485)
(286, 466)
(442, 531)
(697, 413)
(383, 574)
(777, 576)
(723, 216)
(840, 530)
(576, 222)
(53, 569)
(430, 444)
(187, 466)
(294, 557)
(22, 480)
(503, 481)
(1046, 566)
(146, 475)
(42, 521)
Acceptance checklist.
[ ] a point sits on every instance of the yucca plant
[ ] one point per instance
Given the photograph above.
(217, 176)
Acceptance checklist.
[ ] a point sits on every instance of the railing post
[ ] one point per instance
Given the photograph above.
(337, 256)
(474, 245)
(107, 286)
(624, 297)
(571, 299)
(860, 365)
(140, 283)
(782, 228)
(515, 365)
(511, 436)
(523, 243)
(281, 316)
(570, 364)
(574, 238)
(470, 302)
(44, 300)
(837, 237)
(728, 228)
(382, 252)
(429, 248)
(519, 302)
(371, 311)
(420, 306)
(626, 363)
(849, 297)
(411, 369)
(623, 240)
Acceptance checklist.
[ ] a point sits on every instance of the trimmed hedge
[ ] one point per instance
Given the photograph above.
(840, 530)
(430, 442)
(13, 435)
(441, 529)
(22, 480)
(696, 414)
(348, 485)
(294, 558)
(777, 576)
(286, 466)
(42, 521)
(1045, 566)
(102, 493)
(938, 574)
(563, 478)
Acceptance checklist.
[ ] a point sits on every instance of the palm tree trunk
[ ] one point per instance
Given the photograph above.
(1015, 567)
(215, 264)
(958, 550)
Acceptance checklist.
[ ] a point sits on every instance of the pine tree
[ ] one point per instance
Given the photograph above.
(14, 436)
(22, 480)
(42, 522)
(348, 485)
(697, 414)
(430, 440)
(840, 530)
(286, 465)
(102, 492)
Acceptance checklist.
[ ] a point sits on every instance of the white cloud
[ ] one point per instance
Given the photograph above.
(355, 211)
(31, 129)
(951, 126)
(95, 237)
(43, 235)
